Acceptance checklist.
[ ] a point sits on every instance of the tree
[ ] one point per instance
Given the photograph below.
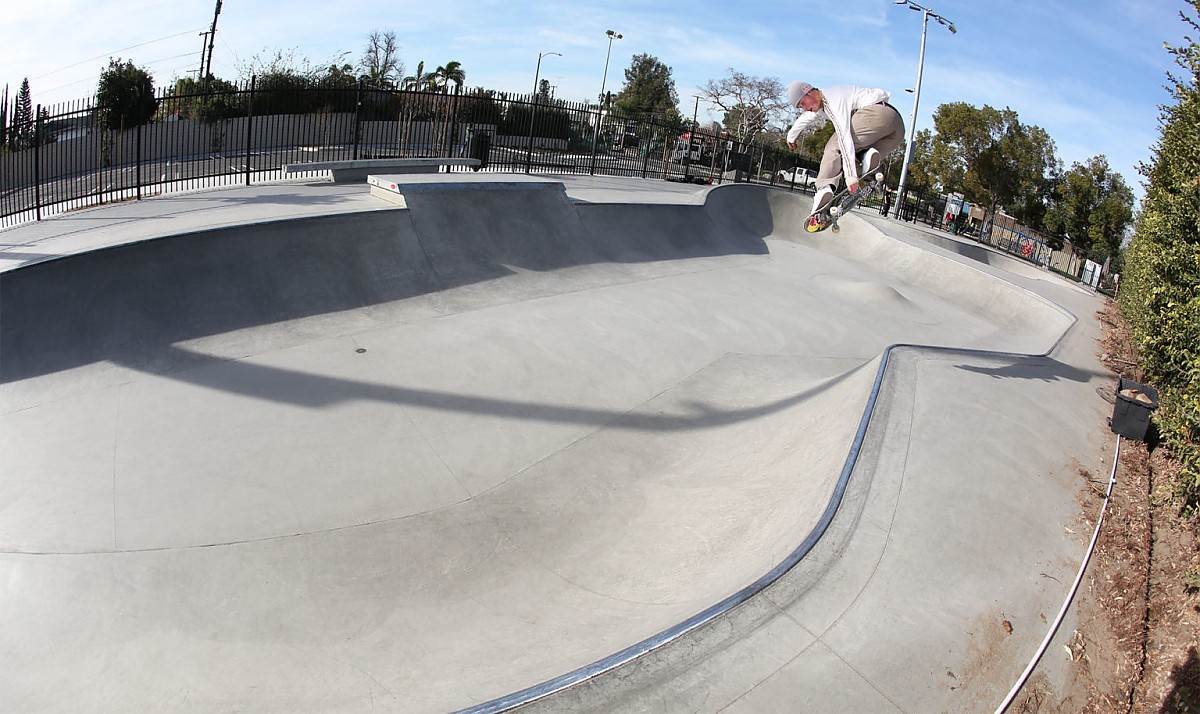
(813, 143)
(44, 132)
(649, 89)
(1093, 206)
(209, 101)
(125, 96)
(281, 89)
(750, 103)
(26, 130)
(1160, 290)
(339, 77)
(990, 155)
(4, 127)
(22, 121)
(965, 150)
(744, 122)
(920, 168)
(278, 63)
(380, 63)
(447, 73)
(420, 80)
(1037, 168)
(479, 106)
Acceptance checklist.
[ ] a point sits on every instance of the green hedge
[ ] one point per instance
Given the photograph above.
(1160, 290)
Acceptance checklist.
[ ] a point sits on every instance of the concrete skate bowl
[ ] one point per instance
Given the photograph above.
(967, 248)
(424, 458)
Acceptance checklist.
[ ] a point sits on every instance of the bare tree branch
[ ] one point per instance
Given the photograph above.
(750, 103)
(381, 64)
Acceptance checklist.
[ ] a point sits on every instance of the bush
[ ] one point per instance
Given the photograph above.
(549, 122)
(1160, 290)
(125, 96)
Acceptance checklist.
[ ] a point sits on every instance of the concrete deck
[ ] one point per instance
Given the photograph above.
(299, 448)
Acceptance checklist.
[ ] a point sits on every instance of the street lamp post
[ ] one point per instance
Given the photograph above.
(612, 35)
(533, 111)
(926, 13)
(687, 157)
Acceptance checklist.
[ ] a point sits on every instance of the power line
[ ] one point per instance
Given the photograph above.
(68, 84)
(236, 59)
(164, 59)
(95, 77)
(110, 54)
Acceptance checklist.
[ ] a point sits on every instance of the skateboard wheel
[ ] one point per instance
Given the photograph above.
(835, 211)
(879, 176)
(835, 228)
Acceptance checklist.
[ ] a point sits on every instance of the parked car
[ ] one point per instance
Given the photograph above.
(805, 178)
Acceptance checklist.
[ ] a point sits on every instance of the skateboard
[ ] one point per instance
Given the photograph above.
(841, 204)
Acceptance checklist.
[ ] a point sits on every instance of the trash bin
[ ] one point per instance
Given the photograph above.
(1131, 414)
(479, 148)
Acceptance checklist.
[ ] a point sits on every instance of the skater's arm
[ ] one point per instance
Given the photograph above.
(803, 123)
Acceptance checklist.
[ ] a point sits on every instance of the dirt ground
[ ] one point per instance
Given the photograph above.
(1136, 646)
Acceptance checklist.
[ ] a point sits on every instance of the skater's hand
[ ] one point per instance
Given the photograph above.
(852, 187)
(791, 145)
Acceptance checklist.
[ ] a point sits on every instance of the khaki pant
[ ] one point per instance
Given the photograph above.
(878, 126)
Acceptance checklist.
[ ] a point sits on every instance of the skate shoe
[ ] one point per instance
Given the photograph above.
(870, 162)
(822, 199)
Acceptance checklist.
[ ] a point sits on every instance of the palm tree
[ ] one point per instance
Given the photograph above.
(420, 80)
(451, 72)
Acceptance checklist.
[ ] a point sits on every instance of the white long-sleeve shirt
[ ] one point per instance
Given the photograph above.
(840, 102)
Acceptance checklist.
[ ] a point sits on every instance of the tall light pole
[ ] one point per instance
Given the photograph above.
(687, 157)
(604, 80)
(926, 13)
(533, 110)
(612, 35)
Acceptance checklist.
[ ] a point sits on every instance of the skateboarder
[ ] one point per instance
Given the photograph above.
(863, 124)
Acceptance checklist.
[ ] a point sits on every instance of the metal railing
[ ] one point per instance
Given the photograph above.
(66, 158)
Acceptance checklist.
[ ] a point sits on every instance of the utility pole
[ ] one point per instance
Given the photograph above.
(203, 49)
(212, 36)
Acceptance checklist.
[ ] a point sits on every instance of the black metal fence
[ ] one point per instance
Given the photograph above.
(67, 157)
(62, 158)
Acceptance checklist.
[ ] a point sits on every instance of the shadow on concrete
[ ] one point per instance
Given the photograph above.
(128, 304)
(316, 391)
(1039, 368)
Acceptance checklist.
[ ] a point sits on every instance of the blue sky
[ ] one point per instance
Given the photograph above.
(1090, 72)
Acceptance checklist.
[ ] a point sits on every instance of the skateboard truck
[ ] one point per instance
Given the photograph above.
(841, 205)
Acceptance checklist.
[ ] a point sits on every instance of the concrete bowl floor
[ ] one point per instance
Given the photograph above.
(418, 455)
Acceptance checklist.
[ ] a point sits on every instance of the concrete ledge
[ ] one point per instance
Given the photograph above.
(394, 187)
(359, 169)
